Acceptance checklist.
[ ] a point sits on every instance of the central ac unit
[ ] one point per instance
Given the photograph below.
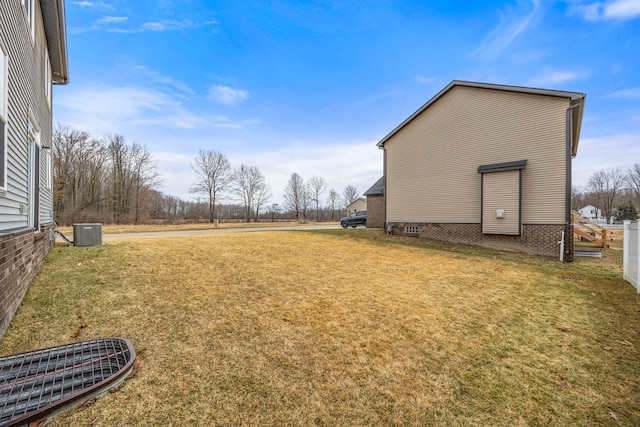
(87, 234)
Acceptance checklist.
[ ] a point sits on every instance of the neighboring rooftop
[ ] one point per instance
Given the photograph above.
(376, 189)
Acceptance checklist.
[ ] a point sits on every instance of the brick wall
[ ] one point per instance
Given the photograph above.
(21, 255)
(537, 239)
(375, 211)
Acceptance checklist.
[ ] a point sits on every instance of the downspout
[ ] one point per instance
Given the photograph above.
(569, 156)
(384, 188)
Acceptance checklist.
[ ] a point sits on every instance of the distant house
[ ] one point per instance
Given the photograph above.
(375, 204)
(485, 164)
(590, 212)
(357, 205)
(33, 56)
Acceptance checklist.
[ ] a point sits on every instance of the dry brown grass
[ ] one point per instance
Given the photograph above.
(343, 327)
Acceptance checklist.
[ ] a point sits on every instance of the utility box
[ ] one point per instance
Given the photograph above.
(87, 234)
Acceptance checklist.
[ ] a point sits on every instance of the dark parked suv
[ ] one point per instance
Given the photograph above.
(354, 219)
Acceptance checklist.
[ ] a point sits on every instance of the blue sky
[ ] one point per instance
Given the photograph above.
(312, 86)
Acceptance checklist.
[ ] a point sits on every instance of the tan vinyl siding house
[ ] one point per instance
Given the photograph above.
(33, 56)
(476, 149)
(359, 204)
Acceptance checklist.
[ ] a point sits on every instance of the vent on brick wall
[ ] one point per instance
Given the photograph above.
(411, 229)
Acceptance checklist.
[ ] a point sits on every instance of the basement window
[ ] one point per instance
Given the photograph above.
(411, 229)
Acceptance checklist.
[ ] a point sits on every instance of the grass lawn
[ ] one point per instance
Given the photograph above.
(343, 327)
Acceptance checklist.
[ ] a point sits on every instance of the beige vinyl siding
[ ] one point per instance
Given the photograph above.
(432, 161)
(501, 191)
(26, 94)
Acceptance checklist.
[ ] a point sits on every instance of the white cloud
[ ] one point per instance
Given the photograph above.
(112, 19)
(551, 77)
(176, 174)
(611, 10)
(166, 81)
(623, 9)
(227, 95)
(605, 152)
(631, 93)
(104, 109)
(340, 164)
(513, 23)
(375, 98)
(99, 4)
(426, 80)
(164, 25)
(159, 26)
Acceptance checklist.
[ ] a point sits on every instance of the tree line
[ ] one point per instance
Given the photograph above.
(114, 181)
(614, 192)
(246, 184)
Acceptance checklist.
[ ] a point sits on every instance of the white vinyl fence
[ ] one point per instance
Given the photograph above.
(631, 264)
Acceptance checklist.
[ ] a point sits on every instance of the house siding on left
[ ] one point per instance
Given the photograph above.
(27, 102)
(24, 226)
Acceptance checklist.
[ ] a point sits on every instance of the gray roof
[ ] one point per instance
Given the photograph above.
(376, 189)
(577, 100)
(55, 31)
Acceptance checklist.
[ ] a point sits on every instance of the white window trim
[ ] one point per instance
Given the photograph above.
(47, 77)
(29, 10)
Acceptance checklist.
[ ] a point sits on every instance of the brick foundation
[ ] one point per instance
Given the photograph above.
(536, 239)
(21, 255)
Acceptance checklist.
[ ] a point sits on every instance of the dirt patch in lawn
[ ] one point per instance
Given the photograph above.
(343, 327)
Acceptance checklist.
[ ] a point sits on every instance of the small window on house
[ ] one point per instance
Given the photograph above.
(501, 198)
(411, 229)
(28, 6)
(4, 87)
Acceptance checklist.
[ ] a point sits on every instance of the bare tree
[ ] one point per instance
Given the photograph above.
(144, 178)
(306, 201)
(251, 188)
(294, 195)
(632, 179)
(273, 209)
(118, 156)
(350, 194)
(596, 187)
(577, 198)
(101, 179)
(316, 186)
(333, 201)
(608, 184)
(78, 172)
(214, 174)
(263, 196)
